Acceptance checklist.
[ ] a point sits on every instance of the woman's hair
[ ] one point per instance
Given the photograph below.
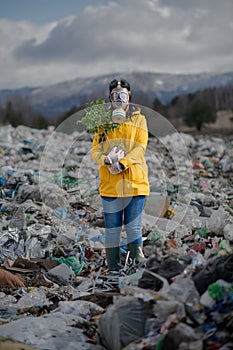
(124, 84)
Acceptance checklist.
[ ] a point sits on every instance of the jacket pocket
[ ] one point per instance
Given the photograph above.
(137, 173)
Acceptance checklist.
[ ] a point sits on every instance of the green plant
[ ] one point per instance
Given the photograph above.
(97, 118)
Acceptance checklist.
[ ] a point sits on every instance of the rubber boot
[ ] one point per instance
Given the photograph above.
(135, 252)
(113, 258)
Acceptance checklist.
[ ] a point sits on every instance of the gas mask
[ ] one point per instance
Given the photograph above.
(120, 101)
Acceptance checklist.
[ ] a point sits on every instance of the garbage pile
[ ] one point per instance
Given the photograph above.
(55, 289)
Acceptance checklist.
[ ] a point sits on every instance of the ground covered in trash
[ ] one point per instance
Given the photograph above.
(55, 289)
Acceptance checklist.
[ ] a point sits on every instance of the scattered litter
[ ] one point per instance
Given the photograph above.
(56, 291)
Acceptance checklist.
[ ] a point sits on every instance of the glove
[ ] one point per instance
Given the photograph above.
(114, 156)
(116, 168)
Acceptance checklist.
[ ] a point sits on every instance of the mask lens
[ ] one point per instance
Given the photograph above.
(122, 96)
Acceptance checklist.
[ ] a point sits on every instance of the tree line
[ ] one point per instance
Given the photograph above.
(192, 109)
(199, 108)
(18, 111)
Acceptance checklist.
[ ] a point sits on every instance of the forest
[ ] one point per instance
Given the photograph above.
(194, 110)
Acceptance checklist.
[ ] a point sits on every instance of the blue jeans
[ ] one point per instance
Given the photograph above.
(119, 211)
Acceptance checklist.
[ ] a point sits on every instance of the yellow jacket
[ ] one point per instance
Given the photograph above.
(132, 136)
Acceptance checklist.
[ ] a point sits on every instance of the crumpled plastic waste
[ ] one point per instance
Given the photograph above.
(180, 337)
(169, 268)
(126, 320)
(217, 268)
(76, 263)
(83, 308)
(51, 213)
(215, 291)
(36, 297)
(6, 301)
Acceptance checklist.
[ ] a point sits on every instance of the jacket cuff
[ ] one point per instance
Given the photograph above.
(122, 167)
(125, 163)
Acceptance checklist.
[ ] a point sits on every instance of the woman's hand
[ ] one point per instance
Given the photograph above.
(116, 168)
(115, 155)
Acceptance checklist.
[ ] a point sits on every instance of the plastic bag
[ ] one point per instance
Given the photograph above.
(124, 322)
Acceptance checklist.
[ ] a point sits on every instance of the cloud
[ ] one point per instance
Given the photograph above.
(147, 35)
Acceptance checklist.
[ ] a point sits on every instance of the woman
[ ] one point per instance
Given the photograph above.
(123, 175)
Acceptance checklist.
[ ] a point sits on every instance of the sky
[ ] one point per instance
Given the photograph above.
(43, 42)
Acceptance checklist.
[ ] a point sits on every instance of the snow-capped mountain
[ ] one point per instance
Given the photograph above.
(55, 99)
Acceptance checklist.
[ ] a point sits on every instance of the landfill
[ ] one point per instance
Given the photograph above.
(55, 288)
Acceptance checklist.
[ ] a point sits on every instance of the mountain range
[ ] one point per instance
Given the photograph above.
(53, 100)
